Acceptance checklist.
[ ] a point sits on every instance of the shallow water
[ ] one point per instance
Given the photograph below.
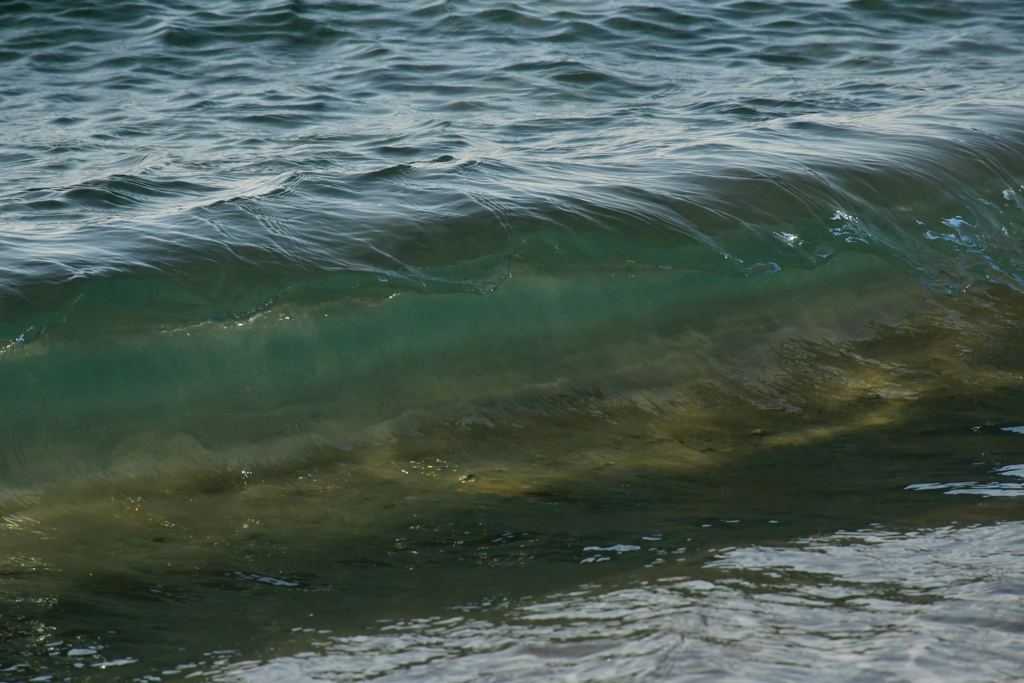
(844, 607)
(466, 340)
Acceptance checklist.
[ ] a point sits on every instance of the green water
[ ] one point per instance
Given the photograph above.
(230, 485)
(251, 390)
(484, 341)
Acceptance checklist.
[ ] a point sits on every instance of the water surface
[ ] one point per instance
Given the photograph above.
(491, 341)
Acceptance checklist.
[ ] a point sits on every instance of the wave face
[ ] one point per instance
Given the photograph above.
(318, 314)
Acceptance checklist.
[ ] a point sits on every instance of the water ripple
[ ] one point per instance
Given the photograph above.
(718, 125)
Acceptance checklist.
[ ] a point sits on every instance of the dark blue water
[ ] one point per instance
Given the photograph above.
(596, 327)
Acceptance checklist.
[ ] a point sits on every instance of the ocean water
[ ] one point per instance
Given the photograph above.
(465, 340)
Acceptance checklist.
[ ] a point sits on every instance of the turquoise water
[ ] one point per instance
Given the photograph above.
(492, 341)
